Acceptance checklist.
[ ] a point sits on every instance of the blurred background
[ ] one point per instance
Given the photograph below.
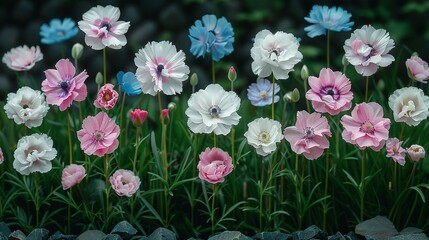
(20, 22)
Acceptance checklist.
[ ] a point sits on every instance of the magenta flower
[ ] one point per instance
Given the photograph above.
(395, 151)
(214, 165)
(418, 69)
(124, 182)
(330, 92)
(99, 135)
(138, 117)
(106, 97)
(366, 127)
(308, 136)
(62, 87)
(22, 58)
(72, 175)
(416, 152)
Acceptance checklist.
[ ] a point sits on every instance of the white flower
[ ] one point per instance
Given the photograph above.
(34, 153)
(263, 134)
(275, 54)
(213, 109)
(22, 58)
(102, 28)
(368, 48)
(409, 105)
(161, 68)
(26, 106)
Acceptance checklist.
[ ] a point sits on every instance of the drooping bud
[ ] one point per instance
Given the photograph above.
(171, 106)
(232, 74)
(292, 96)
(77, 51)
(344, 61)
(138, 117)
(99, 78)
(304, 73)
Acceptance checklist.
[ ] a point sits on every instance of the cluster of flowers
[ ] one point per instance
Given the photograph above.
(161, 68)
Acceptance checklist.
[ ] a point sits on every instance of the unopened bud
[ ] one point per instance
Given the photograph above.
(99, 78)
(292, 96)
(171, 106)
(304, 73)
(138, 117)
(232, 74)
(344, 61)
(381, 85)
(77, 51)
(164, 116)
(194, 79)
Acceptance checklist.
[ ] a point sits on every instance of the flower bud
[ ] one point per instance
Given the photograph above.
(232, 74)
(164, 116)
(381, 85)
(304, 73)
(194, 79)
(77, 51)
(292, 96)
(416, 152)
(1, 157)
(138, 117)
(171, 106)
(99, 78)
(344, 61)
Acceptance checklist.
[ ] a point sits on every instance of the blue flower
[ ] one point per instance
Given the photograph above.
(324, 18)
(261, 93)
(128, 83)
(211, 35)
(58, 31)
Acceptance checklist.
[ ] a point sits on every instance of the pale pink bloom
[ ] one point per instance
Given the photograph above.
(99, 135)
(62, 87)
(418, 69)
(106, 97)
(330, 92)
(102, 28)
(395, 150)
(309, 135)
(214, 165)
(22, 58)
(124, 182)
(138, 117)
(367, 49)
(366, 127)
(1, 157)
(72, 175)
(416, 152)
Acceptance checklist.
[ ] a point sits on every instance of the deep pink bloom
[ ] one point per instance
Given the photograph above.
(22, 58)
(62, 87)
(214, 165)
(138, 117)
(395, 151)
(106, 97)
(309, 135)
(366, 127)
(99, 135)
(416, 152)
(1, 157)
(72, 175)
(124, 182)
(330, 92)
(418, 69)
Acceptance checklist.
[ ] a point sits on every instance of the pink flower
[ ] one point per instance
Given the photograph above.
(308, 136)
(214, 165)
(1, 157)
(330, 92)
(22, 58)
(366, 127)
(395, 151)
(418, 69)
(416, 152)
(106, 97)
(102, 28)
(72, 175)
(138, 117)
(124, 182)
(99, 135)
(62, 87)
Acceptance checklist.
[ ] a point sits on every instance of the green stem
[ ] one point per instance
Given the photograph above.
(69, 137)
(104, 66)
(213, 72)
(362, 194)
(366, 88)
(213, 207)
(327, 47)
(326, 187)
(37, 198)
(307, 103)
(272, 98)
(214, 139)
(261, 194)
(136, 149)
(410, 179)
(106, 179)
(164, 155)
(121, 117)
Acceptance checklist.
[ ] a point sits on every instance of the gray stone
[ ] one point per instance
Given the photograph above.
(309, 233)
(351, 236)
(59, 236)
(2, 236)
(124, 229)
(112, 237)
(413, 236)
(229, 235)
(337, 236)
(38, 234)
(4, 228)
(91, 235)
(162, 234)
(379, 227)
(272, 236)
(410, 230)
(17, 235)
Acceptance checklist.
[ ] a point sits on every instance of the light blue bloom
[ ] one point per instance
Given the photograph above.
(324, 18)
(58, 31)
(211, 35)
(261, 93)
(128, 83)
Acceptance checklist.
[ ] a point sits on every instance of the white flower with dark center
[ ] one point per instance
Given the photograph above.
(274, 53)
(160, 68)
(34, 153)
(213, 110)
(26, 106)
(263, 134)
(410, 105)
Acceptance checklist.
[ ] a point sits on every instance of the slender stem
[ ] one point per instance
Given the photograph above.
(362, 194)
(69, 136)
(272, 98)
(307, 103)
(104, 66)
(121, 117)
(213, 207)
(164, 155)
(261, 194)
(136, 149)
(106, 177)
(303, 172)
(233, 146)
(366, 88)
(37, 198)
(402, 131)
(214, 139)
(410, 179)
(69, 216)
(327, 47)
(213, 72)
(194, 168)
(326, 187)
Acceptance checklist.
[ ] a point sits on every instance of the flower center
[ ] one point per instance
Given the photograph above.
(264, 95)
(60, 33)
(106, 25)
(159, 68)
(330, 92)
(98, 135)
(264, 137)
(214, 111)
(309, 132)
(367, 127)
(107, 97)
(64, 85)
(25, 106)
